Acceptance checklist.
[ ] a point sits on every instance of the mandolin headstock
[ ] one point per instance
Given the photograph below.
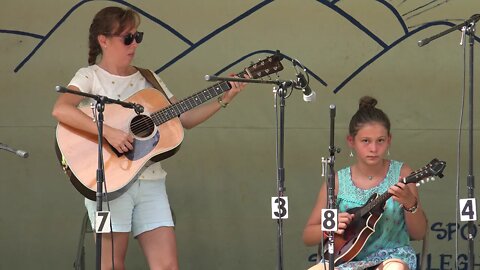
(426, 173)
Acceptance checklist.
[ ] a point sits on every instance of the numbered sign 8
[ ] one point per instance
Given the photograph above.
(329, 220)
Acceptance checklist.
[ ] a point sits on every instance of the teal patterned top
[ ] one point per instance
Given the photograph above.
(390, 239)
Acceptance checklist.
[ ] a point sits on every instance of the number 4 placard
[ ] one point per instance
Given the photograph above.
(102, 222)
(468, 210)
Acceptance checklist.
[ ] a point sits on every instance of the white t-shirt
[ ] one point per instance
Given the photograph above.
(97, 81)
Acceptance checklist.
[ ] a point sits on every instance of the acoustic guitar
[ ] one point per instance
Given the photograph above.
(158, 134)
(352, 241)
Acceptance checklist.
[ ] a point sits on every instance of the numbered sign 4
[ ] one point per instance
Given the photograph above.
(279, 207)
(102, 222)
(329, 220)
(468, 209)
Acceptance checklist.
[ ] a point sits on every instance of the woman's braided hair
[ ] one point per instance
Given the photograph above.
(109, 21)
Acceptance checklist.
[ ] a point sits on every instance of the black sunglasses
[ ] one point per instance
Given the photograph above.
(128, 39)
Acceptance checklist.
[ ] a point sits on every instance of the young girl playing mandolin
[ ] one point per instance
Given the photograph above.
(388, 247)
(144, 208)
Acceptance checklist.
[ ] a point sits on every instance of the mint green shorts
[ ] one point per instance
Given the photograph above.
(143, 207)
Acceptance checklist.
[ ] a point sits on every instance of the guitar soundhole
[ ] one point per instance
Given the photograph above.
(142, 126)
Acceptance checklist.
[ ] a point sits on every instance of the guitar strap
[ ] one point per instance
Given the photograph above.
(148, 75)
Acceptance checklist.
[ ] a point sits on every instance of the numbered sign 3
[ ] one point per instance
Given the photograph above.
(279, 207)
(102, 222)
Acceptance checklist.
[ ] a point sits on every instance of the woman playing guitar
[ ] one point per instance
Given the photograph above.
(393, 223)
(143, 209)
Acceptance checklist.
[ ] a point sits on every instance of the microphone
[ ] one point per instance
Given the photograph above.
(20, 153)
(308, 94)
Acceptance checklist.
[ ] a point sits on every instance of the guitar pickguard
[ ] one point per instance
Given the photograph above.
(142, 147)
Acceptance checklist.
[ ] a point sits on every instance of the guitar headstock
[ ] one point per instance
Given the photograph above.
(433, 168)
(264, 67)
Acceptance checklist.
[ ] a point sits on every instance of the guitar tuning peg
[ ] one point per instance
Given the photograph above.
(417, 184)
(422, 181)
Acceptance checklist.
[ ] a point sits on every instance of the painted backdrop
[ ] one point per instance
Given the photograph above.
(221, 181)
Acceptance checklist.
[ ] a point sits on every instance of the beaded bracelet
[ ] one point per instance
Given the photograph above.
(412, 209)
(222, 104)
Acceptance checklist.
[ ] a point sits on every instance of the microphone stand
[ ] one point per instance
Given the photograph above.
(98, 117)
(470, 31)
(20, 153)
(331, 184)
(280, 91)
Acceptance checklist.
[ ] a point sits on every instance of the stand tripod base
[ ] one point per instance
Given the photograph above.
(79, 263)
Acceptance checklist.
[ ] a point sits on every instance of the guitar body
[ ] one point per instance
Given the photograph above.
(351, 242)
(80, 149)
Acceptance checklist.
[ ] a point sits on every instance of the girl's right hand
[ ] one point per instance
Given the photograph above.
(344, 220)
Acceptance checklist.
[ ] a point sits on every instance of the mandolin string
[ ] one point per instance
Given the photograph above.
(420, 174)
(417, 175)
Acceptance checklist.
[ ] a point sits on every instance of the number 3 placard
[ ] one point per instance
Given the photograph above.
(279, 207)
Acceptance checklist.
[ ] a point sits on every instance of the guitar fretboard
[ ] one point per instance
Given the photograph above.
(189, 103)
(258, 70)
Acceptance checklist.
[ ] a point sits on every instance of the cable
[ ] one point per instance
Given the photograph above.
(459, 141)
(111, 226)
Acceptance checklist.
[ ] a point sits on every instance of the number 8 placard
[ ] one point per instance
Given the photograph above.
(329, 220)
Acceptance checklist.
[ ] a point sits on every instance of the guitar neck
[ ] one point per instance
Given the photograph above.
(190, 102)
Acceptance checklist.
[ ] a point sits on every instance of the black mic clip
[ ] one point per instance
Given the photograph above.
(138, 108)
(302, 82)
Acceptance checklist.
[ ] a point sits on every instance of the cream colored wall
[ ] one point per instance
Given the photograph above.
(221, 181)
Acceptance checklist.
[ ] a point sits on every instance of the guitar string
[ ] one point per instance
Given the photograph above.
(174, 110)
(192, 101)
(196, 99)
(145, 123)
